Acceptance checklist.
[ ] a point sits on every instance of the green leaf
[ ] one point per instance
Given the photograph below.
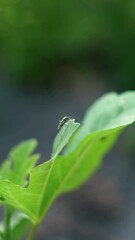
(83, 156)
(19, 224)
(110, 111)
(19, 162)
(63, 136)
(1, 232)
(41, 174)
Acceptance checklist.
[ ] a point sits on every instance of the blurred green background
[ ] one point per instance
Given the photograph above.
(56, 58)
(38, 38)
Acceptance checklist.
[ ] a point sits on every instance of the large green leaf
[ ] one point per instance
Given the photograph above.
(31, 200)
(108, 112)
(83, 155)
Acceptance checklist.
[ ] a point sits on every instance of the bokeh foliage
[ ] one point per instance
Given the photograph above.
(36, 35)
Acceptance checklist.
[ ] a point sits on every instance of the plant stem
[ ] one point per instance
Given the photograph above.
(1, 235)
(7, 222)
(32, 232)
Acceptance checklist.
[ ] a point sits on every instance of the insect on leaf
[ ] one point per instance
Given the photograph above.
(82, 156)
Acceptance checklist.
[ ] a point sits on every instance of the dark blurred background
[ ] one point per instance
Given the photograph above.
(56, 58)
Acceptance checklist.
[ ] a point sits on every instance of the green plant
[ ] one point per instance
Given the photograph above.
(37, 37)
(26, 201)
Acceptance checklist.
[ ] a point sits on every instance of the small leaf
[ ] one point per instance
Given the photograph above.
(63, 136)
(19, 224)
(20, 162)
